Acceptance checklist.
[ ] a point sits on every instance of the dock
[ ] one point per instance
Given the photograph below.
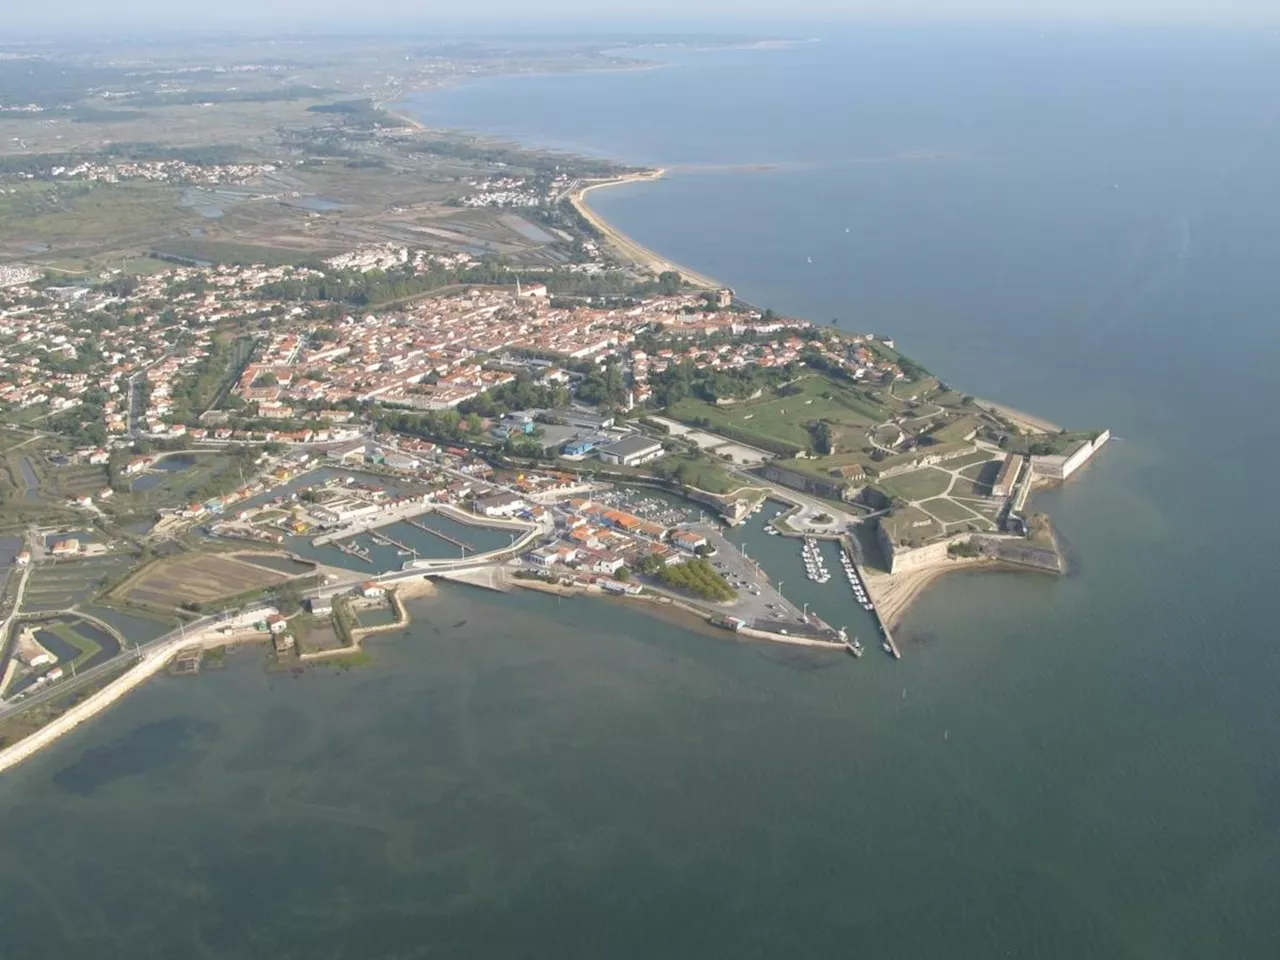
(353, 550)
(387, 541)
(886, 637)
(443, 536)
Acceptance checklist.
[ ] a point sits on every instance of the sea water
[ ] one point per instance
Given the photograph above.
(1077, 223)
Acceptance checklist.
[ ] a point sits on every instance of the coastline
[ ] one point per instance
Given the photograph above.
(893, 593)
(1028, 421)
(622, 244)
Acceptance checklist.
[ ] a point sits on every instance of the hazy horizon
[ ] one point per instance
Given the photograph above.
(75, 17)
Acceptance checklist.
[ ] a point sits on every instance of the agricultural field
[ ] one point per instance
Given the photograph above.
(77, 480)
(65, 583)
(194, 577)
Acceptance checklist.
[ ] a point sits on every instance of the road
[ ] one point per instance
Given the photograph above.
(136, 652)
(17, 604)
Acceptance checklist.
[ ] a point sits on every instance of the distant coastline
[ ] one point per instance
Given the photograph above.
(625, 246)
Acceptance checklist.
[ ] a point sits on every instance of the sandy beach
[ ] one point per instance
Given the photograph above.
(893, 593)
(623, 245)
(1025, 420)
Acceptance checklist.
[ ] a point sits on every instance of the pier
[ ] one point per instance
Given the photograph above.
(353, 550)
(387, 541)
(886, 637)
(443, 536)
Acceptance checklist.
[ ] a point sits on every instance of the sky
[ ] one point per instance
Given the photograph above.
(249, 15)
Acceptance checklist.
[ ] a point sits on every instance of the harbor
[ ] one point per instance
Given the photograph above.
(456, 541)
(806, 576)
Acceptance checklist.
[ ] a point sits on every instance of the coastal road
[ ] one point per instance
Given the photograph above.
(137, 652)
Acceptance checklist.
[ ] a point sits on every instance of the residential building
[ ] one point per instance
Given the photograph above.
(500, 505)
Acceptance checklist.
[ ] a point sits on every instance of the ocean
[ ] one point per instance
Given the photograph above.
(1078, 223)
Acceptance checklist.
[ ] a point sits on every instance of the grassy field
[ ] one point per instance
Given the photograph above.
(947, 510)
(194, 577)
(698, 471)
(973, 459)
(911, 527)
(89, 217)
(774, 417)
(917, 485)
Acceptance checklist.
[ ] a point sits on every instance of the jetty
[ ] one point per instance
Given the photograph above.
(886, 636)
(387, 541)
(442, 535)
(353, 549)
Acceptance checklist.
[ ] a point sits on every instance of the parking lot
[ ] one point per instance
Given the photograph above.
(758, 602)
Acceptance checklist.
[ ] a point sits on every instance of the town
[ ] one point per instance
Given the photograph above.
(230, 452)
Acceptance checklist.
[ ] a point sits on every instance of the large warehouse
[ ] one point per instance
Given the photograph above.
(631, 451)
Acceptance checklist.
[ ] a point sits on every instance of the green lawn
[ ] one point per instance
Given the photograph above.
(911, 527)
(917, 485)
(973, 459)
(88, 648)
(784, 417)
(947, 510)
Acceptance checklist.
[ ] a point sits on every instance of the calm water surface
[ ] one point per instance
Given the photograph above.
(1083, 225)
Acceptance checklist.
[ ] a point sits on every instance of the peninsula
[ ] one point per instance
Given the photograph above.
(396, 356)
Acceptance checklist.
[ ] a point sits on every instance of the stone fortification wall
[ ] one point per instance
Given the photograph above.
(1055, 468)
(1022, 552)
(1010, 549)
(803, 482)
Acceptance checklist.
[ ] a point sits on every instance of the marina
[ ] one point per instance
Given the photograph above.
(353, 549)
(462, 544)
(402, 549)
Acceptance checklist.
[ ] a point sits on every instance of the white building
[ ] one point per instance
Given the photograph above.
(500, 505)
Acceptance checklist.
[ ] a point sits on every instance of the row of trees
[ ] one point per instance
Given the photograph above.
(521, 394)
(697, 577)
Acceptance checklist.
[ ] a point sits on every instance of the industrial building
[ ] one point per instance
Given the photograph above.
(631, 451)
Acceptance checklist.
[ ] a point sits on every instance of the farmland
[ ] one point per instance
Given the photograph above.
(194, 578)
(65, 583)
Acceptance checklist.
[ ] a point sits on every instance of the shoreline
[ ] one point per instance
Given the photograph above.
(624, 245)
(1019, 418)
(893, 594)
(684, 613)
